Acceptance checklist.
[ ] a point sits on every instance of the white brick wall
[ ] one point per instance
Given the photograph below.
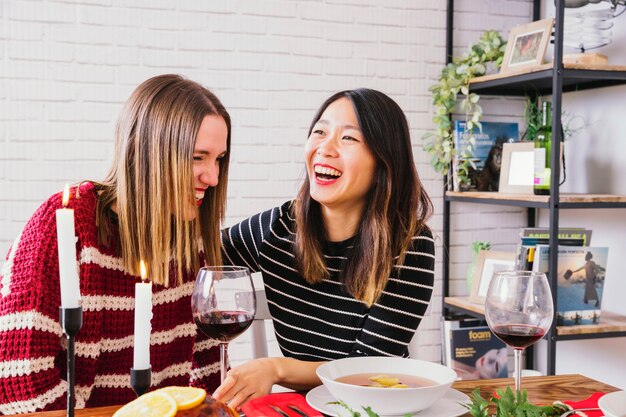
(67, 66)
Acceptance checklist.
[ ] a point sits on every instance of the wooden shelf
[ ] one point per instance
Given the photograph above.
(610, 325)
(538, 79)
(566, 200)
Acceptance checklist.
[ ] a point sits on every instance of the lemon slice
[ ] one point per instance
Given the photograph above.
(185, 397)
(153, 404)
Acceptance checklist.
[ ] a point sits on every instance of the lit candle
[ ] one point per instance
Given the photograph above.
(66, 239)
(143, 315)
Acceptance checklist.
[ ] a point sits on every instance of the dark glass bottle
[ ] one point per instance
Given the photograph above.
(543, 152)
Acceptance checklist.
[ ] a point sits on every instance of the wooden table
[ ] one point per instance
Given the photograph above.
(541, 390)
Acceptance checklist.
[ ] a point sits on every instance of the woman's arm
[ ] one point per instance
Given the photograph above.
(394, 318)
(255, 379)
(30, 335)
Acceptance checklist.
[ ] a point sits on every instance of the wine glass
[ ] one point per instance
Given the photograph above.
(519, 310)
(223, 304)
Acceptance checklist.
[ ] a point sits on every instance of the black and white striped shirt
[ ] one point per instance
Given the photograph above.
(323, 321)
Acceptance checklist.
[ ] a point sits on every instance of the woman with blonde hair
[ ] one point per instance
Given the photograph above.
(348, 266)
(162, 202)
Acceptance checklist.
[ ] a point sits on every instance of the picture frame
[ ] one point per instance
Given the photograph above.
(487, 263)
(526, 46)
(517, 168)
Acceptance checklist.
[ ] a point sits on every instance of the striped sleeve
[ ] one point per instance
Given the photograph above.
(30, 335)
(393, 320)
(241, 243)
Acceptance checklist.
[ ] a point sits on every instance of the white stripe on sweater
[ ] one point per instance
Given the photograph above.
(382, 352)
(308, 316)
(91, 255)
(322, 293)
(301, 329)
(111, 302)
(34, 404)
(404, 297)
(395, 310)
(415, 284)
(29, 320)
(205, 371)
(21, 367)
(311, 346)
(312, 304)
(7, 268)
(93, 349)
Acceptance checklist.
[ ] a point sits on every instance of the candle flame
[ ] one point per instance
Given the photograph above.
(66, 195)
(142, 269)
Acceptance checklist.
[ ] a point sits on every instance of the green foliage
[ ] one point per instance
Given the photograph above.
(368, 410)
(479, 245)
(454, 80)
(509, 404)
(533, 117)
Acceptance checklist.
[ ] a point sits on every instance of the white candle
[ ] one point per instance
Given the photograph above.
(143, 328)
(68, 269)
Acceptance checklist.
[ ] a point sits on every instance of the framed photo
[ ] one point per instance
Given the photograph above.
(517, 168)
(527, 44)
(487, 263)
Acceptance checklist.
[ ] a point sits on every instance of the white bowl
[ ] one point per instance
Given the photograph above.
(613, 404)
(386, 401)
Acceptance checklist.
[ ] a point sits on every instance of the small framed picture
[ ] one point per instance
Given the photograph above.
(517, 168)
(487, 263)
(527, 44)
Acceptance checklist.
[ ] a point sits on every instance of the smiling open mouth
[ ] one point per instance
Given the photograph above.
(326, 173)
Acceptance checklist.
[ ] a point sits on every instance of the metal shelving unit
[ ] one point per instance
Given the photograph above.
(543, 80)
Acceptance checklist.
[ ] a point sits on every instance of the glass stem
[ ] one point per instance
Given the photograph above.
(223, 361)
(517, 353)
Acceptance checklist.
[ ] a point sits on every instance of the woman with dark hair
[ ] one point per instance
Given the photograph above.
(162, 202)
(348, 266)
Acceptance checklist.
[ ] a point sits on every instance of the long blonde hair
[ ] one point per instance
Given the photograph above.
(396, 207)
(151, 179)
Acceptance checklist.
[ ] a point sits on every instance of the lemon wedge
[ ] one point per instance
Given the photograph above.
(152, 404)
(185, 397)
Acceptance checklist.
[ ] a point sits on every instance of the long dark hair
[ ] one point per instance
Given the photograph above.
(396, 209)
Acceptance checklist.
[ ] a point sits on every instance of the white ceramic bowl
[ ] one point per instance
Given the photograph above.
(613, 404)
(386, 401)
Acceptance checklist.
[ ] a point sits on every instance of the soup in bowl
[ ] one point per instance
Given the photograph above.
(390, 386)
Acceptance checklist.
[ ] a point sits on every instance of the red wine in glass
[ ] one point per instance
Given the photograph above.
(223, 305)
(518, 335)
(224, 325)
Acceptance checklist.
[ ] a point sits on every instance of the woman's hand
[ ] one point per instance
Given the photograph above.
(251, 380)
(255, 379)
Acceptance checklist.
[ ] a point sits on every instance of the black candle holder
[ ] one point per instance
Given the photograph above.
(140, 380)
(71, 320)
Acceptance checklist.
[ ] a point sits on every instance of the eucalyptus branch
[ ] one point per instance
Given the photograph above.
(454, 80)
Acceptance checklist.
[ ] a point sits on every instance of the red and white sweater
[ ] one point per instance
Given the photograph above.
(32, 349)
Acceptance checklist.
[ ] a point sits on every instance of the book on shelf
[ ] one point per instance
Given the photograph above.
(473, 351)
(581, 272)
(530, 237)
(486, 152)
(564, 233)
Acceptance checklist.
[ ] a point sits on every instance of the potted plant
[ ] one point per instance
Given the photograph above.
(454, 81)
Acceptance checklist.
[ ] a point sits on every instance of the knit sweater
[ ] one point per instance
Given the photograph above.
(33, 349)
(323, 321)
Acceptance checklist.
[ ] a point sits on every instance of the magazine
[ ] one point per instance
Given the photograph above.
(486, 150)
(580, 272)
(474, 352)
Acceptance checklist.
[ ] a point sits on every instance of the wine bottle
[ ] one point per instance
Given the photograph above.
(543, 152)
